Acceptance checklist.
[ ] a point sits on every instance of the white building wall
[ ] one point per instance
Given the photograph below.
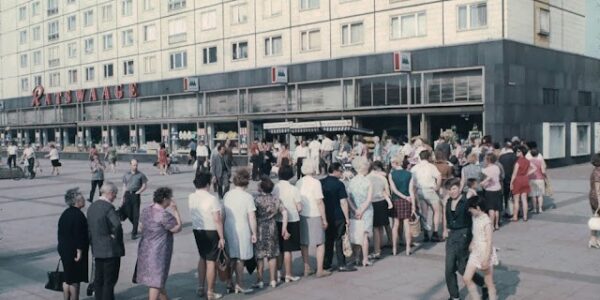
(287, 20)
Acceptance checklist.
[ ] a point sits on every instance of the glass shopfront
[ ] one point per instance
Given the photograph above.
(150, 108)
(184, 106)
(223, 103)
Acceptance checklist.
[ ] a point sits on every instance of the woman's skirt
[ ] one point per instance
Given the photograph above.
(493, 200)
(293, 243)
(311, 231)
(380, 214)
(538, 186)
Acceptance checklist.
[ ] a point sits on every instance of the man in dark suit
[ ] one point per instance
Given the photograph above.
(221, 171)
(106, 237)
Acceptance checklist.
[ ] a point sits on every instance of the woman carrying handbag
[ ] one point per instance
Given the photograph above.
(594, 222)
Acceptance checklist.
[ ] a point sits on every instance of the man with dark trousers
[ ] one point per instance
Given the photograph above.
(220, 170)
(458, 237)
(134, 184)
(336, 212)
(106, 239)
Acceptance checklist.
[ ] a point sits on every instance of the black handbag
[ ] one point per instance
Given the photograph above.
(55, 279)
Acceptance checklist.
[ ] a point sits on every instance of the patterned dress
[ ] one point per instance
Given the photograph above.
(595, 177)
(156, 246)
(359, 189)
(481, 225)
(267, 240)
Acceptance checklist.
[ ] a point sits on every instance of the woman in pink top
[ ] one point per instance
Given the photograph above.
(536, 180)
(492, 188)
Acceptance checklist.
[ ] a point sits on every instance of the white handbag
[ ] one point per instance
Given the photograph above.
(594, 222)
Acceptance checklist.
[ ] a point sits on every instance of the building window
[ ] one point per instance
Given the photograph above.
(472, 16)
(550, 96)
(271, 8)
(148, 4)
(54, 79)
(126, 8)
(52, 7)
(36, 33)
(584, 98)
(88, 18)
(71, 22)
(544, 22)
(554, 140)
(454, 86)
(89, 45)
(35, 8)
(176, 4)
(127, 38)
(128, 67)
(23, 37)
(209, 55)
(149, 33)
(90, 73)
(580, 139)
(178, 60)
(24, 60)
(107, 41)
(72, 76)
(107, 13)
(22, 13)
(149, 64)
(53, 57)
(37, 58)
(177, 31)
(52, 31)
(37, 80)
(310, 40)
(352, 34)
(24, 84)
(71, 1)
(239, 14)
(309, 4)
(410, 25)
(273, 46)
(240, 50)
(108, 71)
(209, 20)
(72, 50)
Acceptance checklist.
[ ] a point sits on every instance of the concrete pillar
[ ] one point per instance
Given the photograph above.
(174, 140)
(409, 126)
(26, 137)
(142, 134)
(424, 130)
(44, 137)
(113, 136)
(88, 137)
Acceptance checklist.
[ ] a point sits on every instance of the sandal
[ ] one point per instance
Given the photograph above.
(368, 263)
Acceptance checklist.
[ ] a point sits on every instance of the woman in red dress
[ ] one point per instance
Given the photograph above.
(162, 159)
(519, 183)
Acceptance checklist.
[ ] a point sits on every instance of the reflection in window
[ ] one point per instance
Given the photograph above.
(222, 103)
(183, 106)
(379, 92)
(92, 112)
(267, 100)
(454, 86)
(583, 139)
(119, 110)
(364, 92)
(322, 96)
(150, 108)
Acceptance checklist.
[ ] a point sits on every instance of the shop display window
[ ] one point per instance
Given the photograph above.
(320, 96)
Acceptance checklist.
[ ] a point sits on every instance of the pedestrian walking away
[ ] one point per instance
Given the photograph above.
(54, 160)
(221, 171)
(134, 184)
(106, 239)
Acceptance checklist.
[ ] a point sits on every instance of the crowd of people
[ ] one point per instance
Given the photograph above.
(338, 198)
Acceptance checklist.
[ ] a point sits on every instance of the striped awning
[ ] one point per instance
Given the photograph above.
(315, 127)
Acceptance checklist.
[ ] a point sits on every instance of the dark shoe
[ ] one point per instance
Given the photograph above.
(90, 289)
(134, 236)
(435, 238)
(347, 269)
(426, 238)
(484, 293)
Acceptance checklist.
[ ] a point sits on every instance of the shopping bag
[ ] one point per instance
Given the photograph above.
(347, 246)
(55, 279)
(548, 191)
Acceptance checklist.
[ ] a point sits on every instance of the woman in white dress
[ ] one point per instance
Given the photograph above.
(483, 255)
(240, 228)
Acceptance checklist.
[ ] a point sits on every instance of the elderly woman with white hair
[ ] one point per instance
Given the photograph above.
(313, 221)
(73, 244)
(361, 194)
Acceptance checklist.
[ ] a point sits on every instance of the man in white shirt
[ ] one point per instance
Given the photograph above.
(300, 154)
(314, 148)
(29, 156)
(326, 150)
(427, 180)
(12, 155)
(202, 156)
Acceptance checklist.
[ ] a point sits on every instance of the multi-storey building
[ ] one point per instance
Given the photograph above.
(117, 70)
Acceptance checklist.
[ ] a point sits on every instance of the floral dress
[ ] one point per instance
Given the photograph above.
(481, 225)
(359, 189)
(267, 240)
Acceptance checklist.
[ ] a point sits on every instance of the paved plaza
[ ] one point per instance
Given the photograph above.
(545, 258)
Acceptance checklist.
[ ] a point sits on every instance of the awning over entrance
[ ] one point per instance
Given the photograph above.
(315, 127)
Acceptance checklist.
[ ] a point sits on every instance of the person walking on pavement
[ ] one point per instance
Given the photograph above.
(11, 150)
(54, 159)
(507, 159)
(106, 239)
(300, 155)
(192, 145)
(201, 157)
(97, 168)
(134, 184)
(220, 171)
(459, 234)
(111, 157)
(314, 148)
(335, 199)
(29, 157)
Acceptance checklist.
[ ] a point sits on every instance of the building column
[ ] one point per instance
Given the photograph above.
(142, 133)
(26, 137)
(424, 130)
(58, 138)
(44, 133)
(88, 137)
(113, 136)
(408, 127)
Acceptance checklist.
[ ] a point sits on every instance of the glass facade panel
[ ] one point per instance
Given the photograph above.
(150, 108)
(69, 114)
(447, 86)
(119, 110)
(320, 96)
(379, 91)
(349, 94)
(433, 90)
(48, 115)
(13, 117)
(267, 100)
(364, 89)
(92, 112)
(416, 89)
(183, 106)
(461, 88)
(475, 88)
(393, 90)
(29, 117)
(223, 103)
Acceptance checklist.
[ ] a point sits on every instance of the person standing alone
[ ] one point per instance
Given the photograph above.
(97, 169)
(12, 155)
(220, 171)
(134, 184)
(29, 157)
(106, 239)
